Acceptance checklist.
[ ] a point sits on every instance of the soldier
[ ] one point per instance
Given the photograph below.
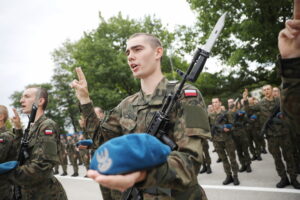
(279, 143)
(254, 128)
(177, 177)
(206, 158)
(276, 92)
(36, 176)
(224, 144)
(288, 43)
(267, 107)
(84, 153)
(73, 157)
(63, 157)
(8, 148)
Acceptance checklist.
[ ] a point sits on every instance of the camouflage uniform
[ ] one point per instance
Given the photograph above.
(71, 149)
(36, 176)
(279, 142)
(241, 141)
(179, 173)
(206, 157)
(223, 142)
(254, 129)
(7, 153)
(63, 159)
(290, 98)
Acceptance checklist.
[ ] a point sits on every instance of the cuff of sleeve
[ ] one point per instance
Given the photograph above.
(153, 177)
(289, 68)
(18, 132)
(87, 109)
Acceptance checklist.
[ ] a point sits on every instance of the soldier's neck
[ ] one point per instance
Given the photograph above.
(39, 113)
(149, 84)
(269, 98)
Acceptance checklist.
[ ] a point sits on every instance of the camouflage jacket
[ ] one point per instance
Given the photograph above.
(290, 96)
(71, 146)
(253, 123)
(278, 127)
(217, 122)
(190, 124)
(43, 155)
(7, 149)
(265, 107)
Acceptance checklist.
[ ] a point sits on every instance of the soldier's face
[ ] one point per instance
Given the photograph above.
(142, 58)
(216, 104)
(27, 100)
(267, 91)
(276, 92)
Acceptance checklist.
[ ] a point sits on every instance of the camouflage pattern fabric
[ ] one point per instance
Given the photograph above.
(190, 125)
(290, 96)
(206, 156)
(73, 157)
(223, 142)
(240, 138)
(279, 143)
(7, 153)
(63, 157)
(36, 176)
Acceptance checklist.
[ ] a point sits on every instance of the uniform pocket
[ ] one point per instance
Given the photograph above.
(128, 125)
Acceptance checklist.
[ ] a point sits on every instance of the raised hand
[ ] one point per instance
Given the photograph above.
(245, 94)
(289, 38)
(16, 120)
(81, 87)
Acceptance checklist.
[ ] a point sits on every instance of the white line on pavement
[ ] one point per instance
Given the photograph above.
(220, 187)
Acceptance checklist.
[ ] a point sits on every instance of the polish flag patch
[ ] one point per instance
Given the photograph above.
(48, 132)
(1, 140)
(190, 93)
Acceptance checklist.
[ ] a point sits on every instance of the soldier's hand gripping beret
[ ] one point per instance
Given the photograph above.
(229, 126)
(129, 153)
(253, 117)
(7, 166)
(87, 142)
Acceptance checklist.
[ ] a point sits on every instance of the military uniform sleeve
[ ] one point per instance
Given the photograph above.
(43, 157)
(290, 96)
(6, 143)
(182, 166)
(106, 129)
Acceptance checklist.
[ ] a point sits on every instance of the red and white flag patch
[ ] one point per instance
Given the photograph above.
(48, 132)
(190, 93)
(1, 140)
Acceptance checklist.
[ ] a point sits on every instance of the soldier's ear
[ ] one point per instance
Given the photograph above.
(41, 102)
(159, 52)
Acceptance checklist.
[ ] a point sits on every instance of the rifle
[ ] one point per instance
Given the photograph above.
(267, 124)
(160, 122)
(219, 120)
(23, 153)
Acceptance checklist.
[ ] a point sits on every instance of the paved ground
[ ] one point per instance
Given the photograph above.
(258, 185)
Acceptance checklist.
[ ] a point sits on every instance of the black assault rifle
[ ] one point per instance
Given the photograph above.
(23, 153)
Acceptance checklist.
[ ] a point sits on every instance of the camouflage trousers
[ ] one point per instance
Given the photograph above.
(278, 146)
(206, 156)
(255, 141)
(63, 161)
(224, 149)
(49, 189)
(85, 157)
(73, 157)
(296, 150)
(5, 191)
(241, 144)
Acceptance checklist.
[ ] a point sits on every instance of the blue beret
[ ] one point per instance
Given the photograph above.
(253, 117)
(129, 153)
(7, 166)
(229, 126)
(88, 142)
(70, 134)
(241, 112)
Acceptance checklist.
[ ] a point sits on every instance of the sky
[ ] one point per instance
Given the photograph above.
(30, 30)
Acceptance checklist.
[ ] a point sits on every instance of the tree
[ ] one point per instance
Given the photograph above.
(101, 54)
(248, 42)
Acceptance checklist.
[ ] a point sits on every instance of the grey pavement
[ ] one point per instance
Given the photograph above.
(257, 185)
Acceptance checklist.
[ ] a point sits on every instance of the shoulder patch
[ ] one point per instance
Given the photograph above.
(190, 93)
(1, 140)
(48, 132)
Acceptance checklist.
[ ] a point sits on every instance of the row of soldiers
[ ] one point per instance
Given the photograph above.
(70, 150)
(242, 129)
